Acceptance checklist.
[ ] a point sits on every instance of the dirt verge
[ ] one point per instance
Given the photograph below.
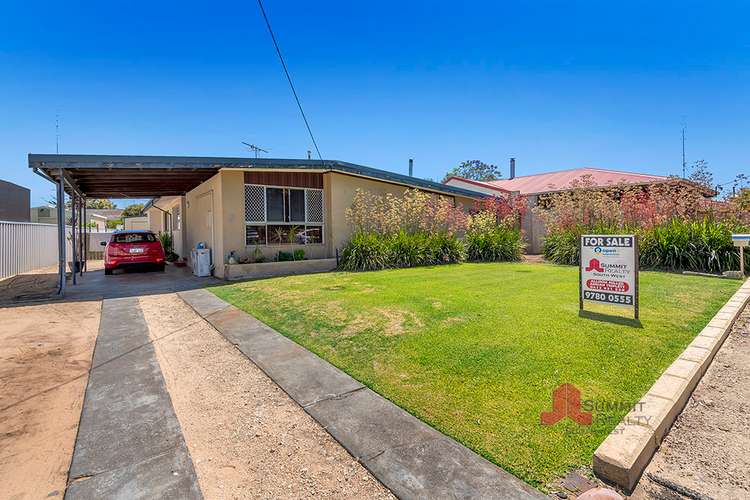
(707, 452)
(45, 354)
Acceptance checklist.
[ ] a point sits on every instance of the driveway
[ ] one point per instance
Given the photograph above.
(168, 398)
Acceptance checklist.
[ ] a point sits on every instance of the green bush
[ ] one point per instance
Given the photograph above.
(365, 252)
(495, 244)
(290, 256)
(372, 251)
(678, 245)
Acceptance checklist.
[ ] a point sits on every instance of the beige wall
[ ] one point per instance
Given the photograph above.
(228, 215)
(156, 222)
(203, 220)
(340, 189)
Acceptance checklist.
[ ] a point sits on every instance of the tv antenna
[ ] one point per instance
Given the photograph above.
(255, 149)
(57, 133)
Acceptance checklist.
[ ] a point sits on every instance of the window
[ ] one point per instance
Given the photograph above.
(133, 238)
(176, 219)
(283, 216)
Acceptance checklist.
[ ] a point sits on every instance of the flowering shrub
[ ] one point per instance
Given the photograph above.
(422, 229)
(488, 241)
(679, 228)
(415, 211)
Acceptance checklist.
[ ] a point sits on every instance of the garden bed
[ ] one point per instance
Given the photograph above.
(476, 350)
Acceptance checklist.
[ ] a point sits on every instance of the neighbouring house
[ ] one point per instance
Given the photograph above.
(48, 215)
(135, 223)
(14, 202)
(535, 186)
(247, 206)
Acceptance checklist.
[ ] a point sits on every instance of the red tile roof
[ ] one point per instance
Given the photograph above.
(561, 180)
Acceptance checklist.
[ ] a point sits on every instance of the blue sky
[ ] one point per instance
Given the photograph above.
(555, 84)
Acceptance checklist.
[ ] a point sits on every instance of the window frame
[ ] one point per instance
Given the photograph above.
(287, 200)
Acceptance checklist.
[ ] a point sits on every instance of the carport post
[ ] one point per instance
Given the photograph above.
(81, 242)
(73, 227)
(61, 230)
(87, 231)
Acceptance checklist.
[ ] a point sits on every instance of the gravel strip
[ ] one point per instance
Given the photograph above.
(247, 438)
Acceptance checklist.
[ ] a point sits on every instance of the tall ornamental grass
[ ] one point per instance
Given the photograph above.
(678, 228)
(420, 229)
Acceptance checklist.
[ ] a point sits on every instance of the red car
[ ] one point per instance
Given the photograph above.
(133, 248)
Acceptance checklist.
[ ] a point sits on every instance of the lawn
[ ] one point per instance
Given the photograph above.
(475, 350)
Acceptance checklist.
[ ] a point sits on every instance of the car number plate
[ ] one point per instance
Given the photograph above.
(136, 250)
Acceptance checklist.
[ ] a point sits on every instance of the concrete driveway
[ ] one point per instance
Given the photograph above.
(163, 397)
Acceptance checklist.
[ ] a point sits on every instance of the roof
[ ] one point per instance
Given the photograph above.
(112, 176)
(562, 179)
(479, 184)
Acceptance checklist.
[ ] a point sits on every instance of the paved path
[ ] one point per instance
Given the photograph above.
(410, 458)
(707, 452)
(129, 443)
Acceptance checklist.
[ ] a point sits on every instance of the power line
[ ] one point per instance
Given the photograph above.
(289, 78)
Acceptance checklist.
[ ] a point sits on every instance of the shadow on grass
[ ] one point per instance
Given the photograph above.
(608, 318)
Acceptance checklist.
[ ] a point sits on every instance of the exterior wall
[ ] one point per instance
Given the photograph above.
(135, 223)
(15, 204)
(233, 183)
(204, 219)
(155, 220)
(340, 189)
(228, 214)
(158, 221)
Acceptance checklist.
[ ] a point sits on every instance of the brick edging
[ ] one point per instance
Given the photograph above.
(625, 453)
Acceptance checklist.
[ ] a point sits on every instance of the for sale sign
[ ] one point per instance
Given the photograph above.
(609, 270)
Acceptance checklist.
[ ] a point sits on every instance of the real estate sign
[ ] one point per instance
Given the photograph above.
(609, 270)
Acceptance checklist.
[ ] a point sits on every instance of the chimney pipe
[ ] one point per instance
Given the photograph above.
(512, 168)
(411, 167)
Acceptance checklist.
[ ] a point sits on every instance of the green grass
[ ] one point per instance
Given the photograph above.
(475, 350)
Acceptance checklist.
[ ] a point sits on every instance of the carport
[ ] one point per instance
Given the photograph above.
(108, 176)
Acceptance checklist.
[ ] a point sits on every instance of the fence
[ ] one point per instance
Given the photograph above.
(25, 246)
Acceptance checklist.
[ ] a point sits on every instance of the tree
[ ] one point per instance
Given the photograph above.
(475, 170)
(95, 203)
(133, 210)
(100, 203)
(701, 174)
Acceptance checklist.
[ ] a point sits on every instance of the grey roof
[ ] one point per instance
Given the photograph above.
(166, 165)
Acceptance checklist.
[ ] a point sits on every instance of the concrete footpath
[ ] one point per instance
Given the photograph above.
(129, 443)
(409, 457)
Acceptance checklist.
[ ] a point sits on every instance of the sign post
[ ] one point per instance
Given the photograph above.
(609, 270)
(741, 241)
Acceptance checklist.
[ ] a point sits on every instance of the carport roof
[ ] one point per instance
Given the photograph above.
(114, 176)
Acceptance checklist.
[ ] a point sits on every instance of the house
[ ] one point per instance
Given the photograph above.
(96, 217)
(240, 205)
(535, 186)
(14, 202)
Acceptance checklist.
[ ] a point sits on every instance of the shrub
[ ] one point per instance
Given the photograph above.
(365, 252)
(372, 251)
(704, 245)
(489, 241)
(678, 245)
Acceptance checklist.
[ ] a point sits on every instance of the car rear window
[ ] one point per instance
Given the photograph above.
(134, 238)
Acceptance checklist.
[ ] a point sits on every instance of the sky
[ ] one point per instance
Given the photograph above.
(556, 85)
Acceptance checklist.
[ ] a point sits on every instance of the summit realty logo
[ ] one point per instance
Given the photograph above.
(595, 265)
(566, 402)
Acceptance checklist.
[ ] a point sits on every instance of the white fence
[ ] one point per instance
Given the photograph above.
(25, 246)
